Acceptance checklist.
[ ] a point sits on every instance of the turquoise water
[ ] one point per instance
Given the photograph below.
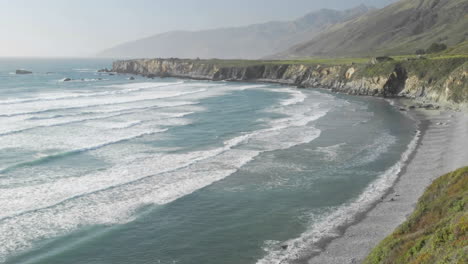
(103, 169)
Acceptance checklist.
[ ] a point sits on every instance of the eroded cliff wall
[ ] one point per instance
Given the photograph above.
(438, 81)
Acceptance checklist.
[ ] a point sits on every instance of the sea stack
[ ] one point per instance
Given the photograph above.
(23, 72)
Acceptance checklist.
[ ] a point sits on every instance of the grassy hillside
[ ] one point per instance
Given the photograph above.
(461, 48)
(436, 232)
(401, 28)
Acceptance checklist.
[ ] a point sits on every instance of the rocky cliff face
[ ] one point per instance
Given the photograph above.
(442, 83)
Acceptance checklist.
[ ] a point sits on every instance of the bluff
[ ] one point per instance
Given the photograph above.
(441, 81)
(436, 232)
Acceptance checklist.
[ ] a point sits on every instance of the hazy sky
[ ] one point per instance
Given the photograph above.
(48, 28)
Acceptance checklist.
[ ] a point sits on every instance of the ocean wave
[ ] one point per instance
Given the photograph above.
(10, 131)
(85, 70)
(331, 152)
(371, 152)
(92, 102)
(300, 248)
(248, 87)
(113, 196)
(15, 125)
(48, 158)
(297, 97)
(135, 88)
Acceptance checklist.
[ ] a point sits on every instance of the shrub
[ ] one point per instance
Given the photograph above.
(420, 52)
(436, 47)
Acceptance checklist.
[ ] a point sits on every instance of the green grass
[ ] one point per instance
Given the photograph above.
(436, 232)
(461, 48)
(435, 68)
(325, 61)
(317, 60)
(380, 69)
(302, 61)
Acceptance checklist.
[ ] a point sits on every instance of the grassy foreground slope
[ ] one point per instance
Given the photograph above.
(436, 232)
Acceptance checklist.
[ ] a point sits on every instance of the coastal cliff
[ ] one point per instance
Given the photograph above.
(441, 81)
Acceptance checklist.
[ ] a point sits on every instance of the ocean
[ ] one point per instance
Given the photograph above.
(103, 169)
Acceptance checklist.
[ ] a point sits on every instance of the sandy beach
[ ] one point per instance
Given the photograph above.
(443, 147)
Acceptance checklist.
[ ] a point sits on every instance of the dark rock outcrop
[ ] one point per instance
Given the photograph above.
(23, 72)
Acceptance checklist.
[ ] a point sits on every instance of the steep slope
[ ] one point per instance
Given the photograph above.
(437, 231)
(400, 28)
(250, 42)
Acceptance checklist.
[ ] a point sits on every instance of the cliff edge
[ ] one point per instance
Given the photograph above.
(441, 81)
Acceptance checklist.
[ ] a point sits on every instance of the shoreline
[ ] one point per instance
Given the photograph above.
(440, 149)
(435, 121)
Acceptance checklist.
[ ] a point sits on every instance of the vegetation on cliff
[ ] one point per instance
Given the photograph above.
(439, 78)
(436, 232)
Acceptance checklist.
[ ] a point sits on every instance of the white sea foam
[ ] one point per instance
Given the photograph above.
(66, 104)
(43, 209)
(254, 86)
(330, 152)
(56, 134)
(78, 94)
(297, 97)
(18, 125)
(327, 227)
(372, 152)
(27, 108)
(85, 70)
(276, 137)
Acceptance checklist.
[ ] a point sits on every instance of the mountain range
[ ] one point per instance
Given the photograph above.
(249, 42)
(399, 28)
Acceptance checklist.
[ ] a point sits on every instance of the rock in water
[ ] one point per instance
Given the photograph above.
(131, 78)
(66, 80)
(23, 72)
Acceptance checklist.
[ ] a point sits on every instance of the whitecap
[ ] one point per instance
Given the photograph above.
(330, 152)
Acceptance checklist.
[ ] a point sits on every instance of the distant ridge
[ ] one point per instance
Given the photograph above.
(400, 28)
(249, 42)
